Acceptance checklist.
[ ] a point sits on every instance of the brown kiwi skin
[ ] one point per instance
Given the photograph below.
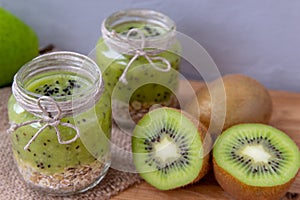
(247, 101)
(241, 191)
(206, 141)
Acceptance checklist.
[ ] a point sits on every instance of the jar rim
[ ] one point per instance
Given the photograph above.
(144, 14)
(61, 61)
(32, 68)
(123, 44)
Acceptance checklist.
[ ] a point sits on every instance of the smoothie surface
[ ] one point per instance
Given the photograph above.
(58, 85)
(149, 29)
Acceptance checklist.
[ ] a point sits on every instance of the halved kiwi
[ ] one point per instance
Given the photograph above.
(168, 148)
(255, 161)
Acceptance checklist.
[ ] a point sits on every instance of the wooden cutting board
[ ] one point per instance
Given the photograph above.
(286, 117)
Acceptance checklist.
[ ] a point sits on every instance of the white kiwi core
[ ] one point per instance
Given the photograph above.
(166, 150)
(257, 153)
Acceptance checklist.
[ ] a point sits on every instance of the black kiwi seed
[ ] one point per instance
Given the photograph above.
(182, 145)
(274, 169)
(146, 142)
(158, 139)
(148, 148)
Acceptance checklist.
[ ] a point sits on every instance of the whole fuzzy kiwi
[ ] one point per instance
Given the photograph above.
(247, 101)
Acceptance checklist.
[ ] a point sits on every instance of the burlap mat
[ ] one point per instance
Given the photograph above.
(12, 187)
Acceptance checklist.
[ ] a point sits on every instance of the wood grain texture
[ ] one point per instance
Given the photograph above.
(286, 117)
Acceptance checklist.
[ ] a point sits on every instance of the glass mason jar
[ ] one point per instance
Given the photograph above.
(139, 57)
(60, 119)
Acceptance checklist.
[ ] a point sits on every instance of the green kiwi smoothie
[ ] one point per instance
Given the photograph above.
(48, 164)
(146, 85)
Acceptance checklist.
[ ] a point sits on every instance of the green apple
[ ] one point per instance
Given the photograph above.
(18, 45)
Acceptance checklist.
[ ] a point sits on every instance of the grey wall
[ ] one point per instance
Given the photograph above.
(254, 37)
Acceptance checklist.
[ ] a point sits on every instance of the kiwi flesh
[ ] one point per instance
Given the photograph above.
(255, 161)
(247, 101)
(170, 149)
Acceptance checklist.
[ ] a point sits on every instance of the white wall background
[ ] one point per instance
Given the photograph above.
(260, 38)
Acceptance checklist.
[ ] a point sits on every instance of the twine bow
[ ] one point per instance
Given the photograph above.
(140, 50)
(52, 121)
